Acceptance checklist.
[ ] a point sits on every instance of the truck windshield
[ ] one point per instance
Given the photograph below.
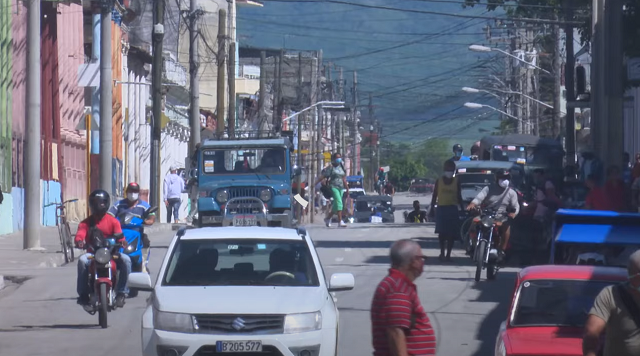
(233, 161)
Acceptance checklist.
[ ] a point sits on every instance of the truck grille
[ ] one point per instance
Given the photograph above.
(241, 192)
(210, 350)
(240, 324)
(245, 206)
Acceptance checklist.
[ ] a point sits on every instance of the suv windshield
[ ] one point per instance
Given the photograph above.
(556, 302)
(243, 161)
(241, 262)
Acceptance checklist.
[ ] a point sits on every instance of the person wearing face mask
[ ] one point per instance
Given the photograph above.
(136, 206)
(335, 177)
(447, 198)
(457, 153)
(504, 200)
(616, 313)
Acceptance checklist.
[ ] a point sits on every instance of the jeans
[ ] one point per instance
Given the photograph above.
(174, 205)
(123, 265)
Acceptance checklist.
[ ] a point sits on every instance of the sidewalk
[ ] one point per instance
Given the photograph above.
(13, 257)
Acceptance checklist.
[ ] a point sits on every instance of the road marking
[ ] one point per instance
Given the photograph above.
(348, 249)
(339, 259)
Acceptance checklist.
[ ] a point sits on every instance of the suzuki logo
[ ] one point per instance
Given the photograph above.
(238, 324)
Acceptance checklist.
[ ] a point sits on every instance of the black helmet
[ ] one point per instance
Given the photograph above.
(502, 174)
(457, 147)
(99, 201)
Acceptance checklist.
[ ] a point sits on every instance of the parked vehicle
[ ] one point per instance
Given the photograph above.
(244, 168)
(549, 307)
(421, 186)
(133, 231)
(103, 278)
(374, 205)
(594, 237)
(241, 290)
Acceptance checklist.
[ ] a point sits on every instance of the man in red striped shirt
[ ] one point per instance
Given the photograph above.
(400, 326)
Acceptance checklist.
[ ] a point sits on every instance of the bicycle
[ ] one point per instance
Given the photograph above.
(64, 230)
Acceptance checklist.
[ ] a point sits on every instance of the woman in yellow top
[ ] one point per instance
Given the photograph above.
(447, 198)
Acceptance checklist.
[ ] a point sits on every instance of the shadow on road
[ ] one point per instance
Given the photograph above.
(57, 326)
(424, 243)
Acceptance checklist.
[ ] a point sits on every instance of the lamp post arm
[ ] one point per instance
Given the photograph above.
(519, 59)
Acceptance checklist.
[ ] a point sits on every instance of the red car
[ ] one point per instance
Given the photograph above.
(549, 308)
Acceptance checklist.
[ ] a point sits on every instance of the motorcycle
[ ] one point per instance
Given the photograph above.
(133, 230)
(103, 278)
(485, 251)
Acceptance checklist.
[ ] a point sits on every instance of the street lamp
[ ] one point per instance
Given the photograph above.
(479, 48)
(323, 105)
(480, 106)
(474, 91)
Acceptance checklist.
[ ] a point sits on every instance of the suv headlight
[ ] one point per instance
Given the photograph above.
(222, 196)
(176, 322)
(304, 322)
(265, 195)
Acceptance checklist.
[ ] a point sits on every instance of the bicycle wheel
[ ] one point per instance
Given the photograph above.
(63, 242)
(69, 240)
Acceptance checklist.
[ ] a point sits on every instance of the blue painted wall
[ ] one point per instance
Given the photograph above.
(6, 209)
(17, 195)
(51, 193)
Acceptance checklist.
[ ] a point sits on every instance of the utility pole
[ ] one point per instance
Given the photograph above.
(156, 87)
(378, 131)
(275, 89)
(319, 112)
(354, 118)
(372, 130)
(569, 75)
(263, 89)
(279, 107)
(232, 89)
(106, 106)
(312, 142)
(299, 139)
(32, 205)
(194, 66)
(557, 82)
(222, 40)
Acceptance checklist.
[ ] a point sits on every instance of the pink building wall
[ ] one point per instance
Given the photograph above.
(71, 96)
(19, 35)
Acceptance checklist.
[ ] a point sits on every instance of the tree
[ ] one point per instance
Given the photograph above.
(403, 170)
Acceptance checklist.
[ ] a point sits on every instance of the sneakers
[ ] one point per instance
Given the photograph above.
(327, 222)
(120, 300)
(342, 224)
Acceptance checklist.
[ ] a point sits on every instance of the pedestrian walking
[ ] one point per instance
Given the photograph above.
(399, 324)
(616, 313)
(335, 179)
(173, 188)
(447, 198)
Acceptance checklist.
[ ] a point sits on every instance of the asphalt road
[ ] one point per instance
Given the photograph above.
(39, 315)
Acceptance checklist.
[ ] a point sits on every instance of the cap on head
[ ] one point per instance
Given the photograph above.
(173, 168)
(457, 148)
(132, 187)
(502, 174)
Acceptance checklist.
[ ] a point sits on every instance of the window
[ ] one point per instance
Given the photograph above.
(244, 161)
(241, 262)
(556, 302)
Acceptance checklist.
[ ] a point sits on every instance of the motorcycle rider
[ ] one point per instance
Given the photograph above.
(501, 197)
(109, 226)
(134, 205)
(457, 153)
(382, 177)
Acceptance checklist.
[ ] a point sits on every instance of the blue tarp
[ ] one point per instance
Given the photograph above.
(599, 234)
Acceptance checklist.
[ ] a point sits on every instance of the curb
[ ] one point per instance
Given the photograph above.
(1, 282)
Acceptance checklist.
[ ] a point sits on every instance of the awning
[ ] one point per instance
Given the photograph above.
(599, 234)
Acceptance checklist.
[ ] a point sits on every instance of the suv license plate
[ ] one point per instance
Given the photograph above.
(239, 346)
(244, 220)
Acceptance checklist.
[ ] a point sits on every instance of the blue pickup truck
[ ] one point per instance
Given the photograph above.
(245, 182)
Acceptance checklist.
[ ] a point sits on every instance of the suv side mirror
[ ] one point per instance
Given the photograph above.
(193, 173)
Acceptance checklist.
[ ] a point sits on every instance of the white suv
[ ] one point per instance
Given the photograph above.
(241, 291)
